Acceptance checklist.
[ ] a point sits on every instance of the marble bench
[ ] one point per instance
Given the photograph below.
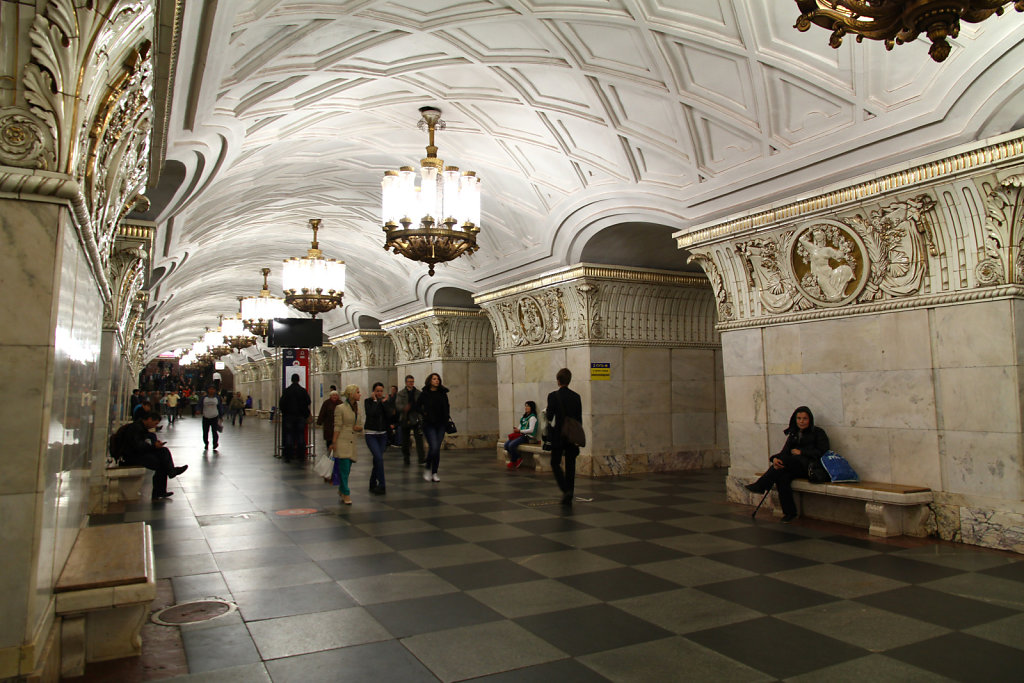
(124, 483)
(891, 509)
(104, 593)
(534, 457)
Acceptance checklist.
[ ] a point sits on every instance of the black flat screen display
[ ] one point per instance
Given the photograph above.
(296, 333)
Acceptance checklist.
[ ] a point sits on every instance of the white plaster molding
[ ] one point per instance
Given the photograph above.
(441, 334)
(364, 349)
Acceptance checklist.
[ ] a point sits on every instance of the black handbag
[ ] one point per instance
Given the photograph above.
(450, 428)
(816, 472)
(570, 428)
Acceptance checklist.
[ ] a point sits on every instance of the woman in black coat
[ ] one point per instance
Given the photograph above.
(804, 443)
(433, 406)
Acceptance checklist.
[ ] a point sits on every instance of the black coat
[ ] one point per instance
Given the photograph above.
(295, 401)
(433, 406)
(379, 415)
(812, 444)
(565, 398)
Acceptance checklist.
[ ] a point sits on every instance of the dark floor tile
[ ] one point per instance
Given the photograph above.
(639, 552)
(420, 539)
(776, 647)
(617, 584)
(553, 525)
(260, 557)
(648, 530)
(366, 565)
(405, 618)
(458, 521)
(563, 671)
(1013, 572)
(291, 600)
(589, 629)
(374, 516)
(660, 514)
(765, 594)
(486, 574)
(386, 662)
(759, 534)
(863, 543)
(964, 658)
(937, 607)
(761, 560)
(900, 568)
(524, 545)
(218, 647)
(670, 500)
(491, 506)
(332, 533)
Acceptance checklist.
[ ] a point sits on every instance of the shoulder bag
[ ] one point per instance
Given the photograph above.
(570, 428)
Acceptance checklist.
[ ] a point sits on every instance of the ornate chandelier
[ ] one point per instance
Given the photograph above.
(201, 352)
(235, 334)
(214, 340)
(445, 208)
(312, 283)
(258, 311)
(896, 22)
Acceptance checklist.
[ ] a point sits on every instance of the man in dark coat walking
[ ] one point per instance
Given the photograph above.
(563, 403)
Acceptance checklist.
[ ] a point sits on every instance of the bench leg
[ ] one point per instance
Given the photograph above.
(72, 646)
(883, 520)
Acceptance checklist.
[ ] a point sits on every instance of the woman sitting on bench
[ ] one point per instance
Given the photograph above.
(804, 443)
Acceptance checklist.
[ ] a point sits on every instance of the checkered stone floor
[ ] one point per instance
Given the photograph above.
(480, 577)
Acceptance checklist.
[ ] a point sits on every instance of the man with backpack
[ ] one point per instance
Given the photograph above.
(135, 445)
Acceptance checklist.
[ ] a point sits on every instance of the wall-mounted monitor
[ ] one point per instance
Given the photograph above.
(296, 333)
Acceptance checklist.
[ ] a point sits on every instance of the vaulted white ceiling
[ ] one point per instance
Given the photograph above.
(578, 116)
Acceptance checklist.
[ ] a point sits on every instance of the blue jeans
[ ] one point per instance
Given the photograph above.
(435, 437)
(512, 444)
(377, 444)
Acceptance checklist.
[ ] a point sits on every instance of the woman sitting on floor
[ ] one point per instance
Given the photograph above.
(804, 443)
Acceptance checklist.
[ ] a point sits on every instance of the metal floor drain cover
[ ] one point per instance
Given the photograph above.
(193, 612)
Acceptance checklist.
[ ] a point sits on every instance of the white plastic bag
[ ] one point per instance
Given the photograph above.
(324, 465)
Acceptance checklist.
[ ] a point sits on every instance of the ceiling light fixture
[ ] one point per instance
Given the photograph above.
(896, 22)
(258, 311)
(313, 284)
(445, 208)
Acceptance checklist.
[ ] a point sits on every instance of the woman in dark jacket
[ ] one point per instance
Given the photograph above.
(378, 417)
(804, 443)
(433, 406)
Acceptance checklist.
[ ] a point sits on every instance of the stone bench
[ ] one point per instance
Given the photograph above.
(104, 593)
(125, 483)
(534, 457)
(890, 509)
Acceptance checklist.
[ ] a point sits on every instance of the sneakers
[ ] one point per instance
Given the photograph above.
(434, 477)
(426, 475)
(510, 465)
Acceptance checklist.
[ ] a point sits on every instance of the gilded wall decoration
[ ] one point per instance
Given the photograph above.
(828, 264)
(127, 270)
(1001, 256)
(442, 334)
(364, 349)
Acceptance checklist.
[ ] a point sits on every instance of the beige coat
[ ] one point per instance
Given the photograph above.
(345, 420)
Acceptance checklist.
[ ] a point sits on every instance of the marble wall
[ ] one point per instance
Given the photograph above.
(472, 398)
(929, 396)
(51, 360)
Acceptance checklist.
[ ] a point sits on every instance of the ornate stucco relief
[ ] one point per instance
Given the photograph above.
(82, 131)
(364, 349)
(442, 334)
(950, 231)
(603, 306)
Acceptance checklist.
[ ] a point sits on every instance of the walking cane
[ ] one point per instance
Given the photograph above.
(754, 514)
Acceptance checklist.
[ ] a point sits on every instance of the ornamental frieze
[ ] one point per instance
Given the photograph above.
(364, 349)
(948, 230)
(442, 334)
(598, 305)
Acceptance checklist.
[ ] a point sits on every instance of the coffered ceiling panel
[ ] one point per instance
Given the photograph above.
(574, 113)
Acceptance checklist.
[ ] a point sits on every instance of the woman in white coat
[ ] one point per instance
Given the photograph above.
(347, 424)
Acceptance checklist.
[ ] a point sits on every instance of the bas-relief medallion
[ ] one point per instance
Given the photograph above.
(828, 263)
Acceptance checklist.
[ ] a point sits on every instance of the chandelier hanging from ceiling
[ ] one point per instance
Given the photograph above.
(313, 284)
(438, 221)
(215, 344)
(258, 311)
(896, 22)
(235, 333)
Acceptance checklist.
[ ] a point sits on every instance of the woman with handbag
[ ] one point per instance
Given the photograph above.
(346, 426)
(804, 444)
(525, 432)
(432, 404)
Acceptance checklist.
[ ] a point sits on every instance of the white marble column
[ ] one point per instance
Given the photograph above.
(892, 307)
(644, 356)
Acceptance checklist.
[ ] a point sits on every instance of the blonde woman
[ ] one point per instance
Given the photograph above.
(347, 423)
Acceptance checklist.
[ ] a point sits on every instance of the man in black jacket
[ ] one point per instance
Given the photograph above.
(295, 413)
(409, 419)
(137, 446)
(563, 403)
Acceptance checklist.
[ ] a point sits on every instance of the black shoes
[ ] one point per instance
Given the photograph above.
(377, 491)
(161, 496)
(567, 499)
(754, 488)
(786, 519)
(177, 471)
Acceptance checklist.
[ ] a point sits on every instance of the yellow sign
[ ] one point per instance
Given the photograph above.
(600, 371)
